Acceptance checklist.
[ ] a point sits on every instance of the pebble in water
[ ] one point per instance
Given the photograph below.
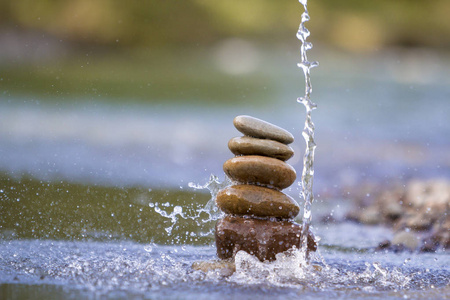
(259, 217)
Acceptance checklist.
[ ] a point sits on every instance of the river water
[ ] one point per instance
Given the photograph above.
(80, 183)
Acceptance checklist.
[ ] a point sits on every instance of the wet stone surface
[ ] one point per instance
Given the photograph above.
(257, 128)
(260, 170)
(257, 201)
(261, 238)
(246, 145)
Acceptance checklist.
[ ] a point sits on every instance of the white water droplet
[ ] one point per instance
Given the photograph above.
(177, 210)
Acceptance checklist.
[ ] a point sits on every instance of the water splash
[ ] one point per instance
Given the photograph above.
(177, 211)
(201, 216)
(155, 271)
(213, 186)
(290, 270)
(308, 132)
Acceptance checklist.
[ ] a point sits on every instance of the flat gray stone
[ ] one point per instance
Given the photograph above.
(261, 129)
(246, 145)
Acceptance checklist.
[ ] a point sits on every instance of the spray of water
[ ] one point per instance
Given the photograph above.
(308, 132)
(202, 215)
(213, 186)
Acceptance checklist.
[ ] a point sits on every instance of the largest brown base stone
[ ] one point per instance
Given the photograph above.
(262, 238)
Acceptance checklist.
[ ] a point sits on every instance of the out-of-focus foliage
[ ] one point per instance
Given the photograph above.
(166, 51)
(350, 24)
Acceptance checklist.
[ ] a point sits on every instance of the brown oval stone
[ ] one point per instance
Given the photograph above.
(262, 238)
(260, 170)
(261, 129)
(246, 145)
(258, 201)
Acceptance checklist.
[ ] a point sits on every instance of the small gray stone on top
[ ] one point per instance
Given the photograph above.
(261, 129)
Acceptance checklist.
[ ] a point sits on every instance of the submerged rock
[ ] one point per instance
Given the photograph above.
(260, 170)
(261, 129)
(257, 201)
(223, 267)
(261, 238)
(246, 145)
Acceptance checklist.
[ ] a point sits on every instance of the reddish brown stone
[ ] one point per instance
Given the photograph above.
(262, 238)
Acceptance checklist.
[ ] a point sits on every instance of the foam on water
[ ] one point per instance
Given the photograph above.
(290, 269)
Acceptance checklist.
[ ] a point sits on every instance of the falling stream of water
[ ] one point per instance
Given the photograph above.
(308, 132)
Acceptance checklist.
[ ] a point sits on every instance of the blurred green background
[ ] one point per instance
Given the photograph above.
(160, 50)
(364, 25)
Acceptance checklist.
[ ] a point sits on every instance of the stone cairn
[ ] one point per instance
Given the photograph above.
(259, 217)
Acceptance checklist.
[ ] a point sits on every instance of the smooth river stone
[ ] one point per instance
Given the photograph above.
(261, 238)
(246, 145)
(260, 170)
(223, 267)
(261, 129)
(257, 201)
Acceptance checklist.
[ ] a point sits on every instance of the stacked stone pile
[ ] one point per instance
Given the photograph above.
(259, 216)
